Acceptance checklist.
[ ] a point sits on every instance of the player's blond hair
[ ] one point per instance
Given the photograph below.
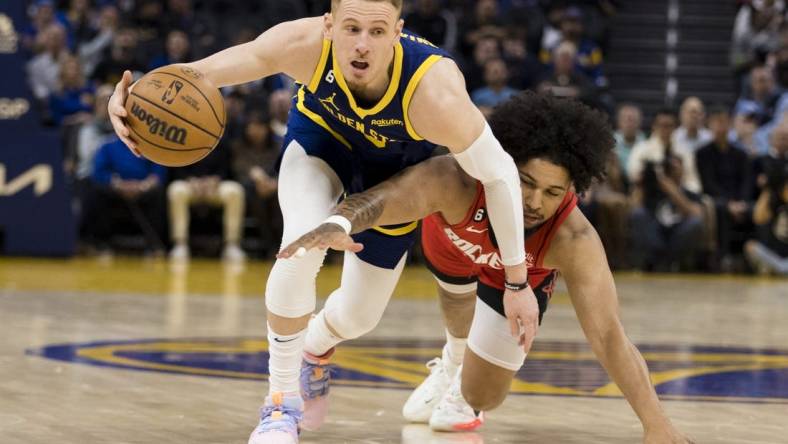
(397, 3)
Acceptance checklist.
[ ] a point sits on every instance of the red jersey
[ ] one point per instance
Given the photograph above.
(467, 251)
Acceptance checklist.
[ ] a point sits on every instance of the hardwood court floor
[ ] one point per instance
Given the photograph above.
(135, 351)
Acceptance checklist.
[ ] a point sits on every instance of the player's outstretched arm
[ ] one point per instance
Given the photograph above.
(435, 185)
(442, 112)
(292, 48)
(579, 255)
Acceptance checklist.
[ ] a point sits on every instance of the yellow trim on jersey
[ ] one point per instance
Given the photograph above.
(412, 84)
(319, 120)
(398, 231)
(390, 92)
(321, 66)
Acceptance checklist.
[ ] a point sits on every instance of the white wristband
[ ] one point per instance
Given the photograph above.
(341, 221)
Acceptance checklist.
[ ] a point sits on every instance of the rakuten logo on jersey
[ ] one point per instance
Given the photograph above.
(476, 252)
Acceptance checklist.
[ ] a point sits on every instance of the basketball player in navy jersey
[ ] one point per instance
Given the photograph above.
(374, 99)
(559, 146)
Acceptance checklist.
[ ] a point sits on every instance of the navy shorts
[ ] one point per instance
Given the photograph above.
(359, 169)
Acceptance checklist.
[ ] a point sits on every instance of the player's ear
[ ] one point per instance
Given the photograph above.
(328, 25)
(398, 30)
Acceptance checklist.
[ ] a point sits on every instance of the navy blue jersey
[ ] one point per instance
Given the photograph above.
(365, 146)
(327, 101)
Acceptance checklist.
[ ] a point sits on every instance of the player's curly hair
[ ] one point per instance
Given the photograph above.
(563, 131)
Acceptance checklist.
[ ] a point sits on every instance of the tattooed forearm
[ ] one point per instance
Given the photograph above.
(363, 209)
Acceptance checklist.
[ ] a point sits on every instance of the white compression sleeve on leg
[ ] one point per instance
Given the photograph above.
(486, 161)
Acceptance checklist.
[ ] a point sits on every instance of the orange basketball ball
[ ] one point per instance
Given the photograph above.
(176, 116)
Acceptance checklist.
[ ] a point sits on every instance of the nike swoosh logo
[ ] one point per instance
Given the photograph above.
(281, 341)
(473, 230)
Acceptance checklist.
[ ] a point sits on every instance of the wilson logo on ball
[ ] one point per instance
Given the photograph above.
(169, 132)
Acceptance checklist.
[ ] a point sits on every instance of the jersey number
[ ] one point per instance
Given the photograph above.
(479, 216)
(330, 76)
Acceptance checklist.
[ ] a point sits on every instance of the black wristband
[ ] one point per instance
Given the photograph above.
(516, 287)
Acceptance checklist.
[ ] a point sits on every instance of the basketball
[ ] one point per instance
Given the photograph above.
(176, 116)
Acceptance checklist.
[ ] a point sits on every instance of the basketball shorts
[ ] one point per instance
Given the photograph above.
(360, 169)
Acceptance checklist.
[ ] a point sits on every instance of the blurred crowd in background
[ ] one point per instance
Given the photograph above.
(701, 188)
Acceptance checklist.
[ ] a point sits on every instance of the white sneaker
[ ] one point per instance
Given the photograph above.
(180, 253)
(453, 414)
(233, 253)
(419, 406)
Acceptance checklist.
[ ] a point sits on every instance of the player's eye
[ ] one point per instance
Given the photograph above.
(352, 29)
(378, 32)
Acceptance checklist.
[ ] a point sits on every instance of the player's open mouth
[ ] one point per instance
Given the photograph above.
(359, 65)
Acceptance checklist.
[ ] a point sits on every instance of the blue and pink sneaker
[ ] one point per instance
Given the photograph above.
(280, 419)
(315, 379)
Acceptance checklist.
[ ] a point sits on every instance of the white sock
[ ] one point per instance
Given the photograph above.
(319, 338)
(284, 361)
(454, 349)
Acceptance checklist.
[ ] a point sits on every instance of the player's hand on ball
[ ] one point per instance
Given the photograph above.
(522, 311)
(325, 236)
(117, 111)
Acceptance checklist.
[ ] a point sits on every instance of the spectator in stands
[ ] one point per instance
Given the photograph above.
(755, 33)
(588, 58)
(149, 24)
(773, 160)
(176, 50)
(181, 15)
(254, 158)
(235, 115)
(667, 220)
(564, 80)
(90, 138)
(92, 50)
(551, 33)
(123, 181)
(44, 15)
(121, 56)
(487, 48)
(655, 148)
(745, 124)
(524, 68)
(496, 89)
(436, 24)
(723, 174)
(762, 94)
(72, 102)
(482, 24)
(206, 183)
(628, 134)
(768, 253)
(278, 107)
(690, 136)
(93, 135)
(606, 205)
(43, 70)
(80, 17)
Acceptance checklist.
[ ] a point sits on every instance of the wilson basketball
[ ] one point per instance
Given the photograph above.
(176, 116)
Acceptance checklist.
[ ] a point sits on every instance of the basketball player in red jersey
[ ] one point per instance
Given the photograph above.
(560, 146)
